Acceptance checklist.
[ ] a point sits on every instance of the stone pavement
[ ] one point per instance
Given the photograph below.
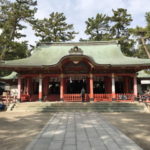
(81, 131)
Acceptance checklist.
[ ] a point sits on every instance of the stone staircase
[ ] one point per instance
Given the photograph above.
(92, 106)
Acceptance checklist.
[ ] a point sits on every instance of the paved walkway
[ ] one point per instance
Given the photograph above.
(81, 131)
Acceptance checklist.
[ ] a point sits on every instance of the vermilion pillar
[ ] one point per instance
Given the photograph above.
(91, 88)
(40, 88)
(113, 86)
(19, 89)
(61, 87)
(135, 85)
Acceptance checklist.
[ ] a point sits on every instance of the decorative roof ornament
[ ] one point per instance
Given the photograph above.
(76, 51)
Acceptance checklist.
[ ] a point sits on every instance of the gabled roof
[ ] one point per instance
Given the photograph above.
(143, 74)
(100, 53)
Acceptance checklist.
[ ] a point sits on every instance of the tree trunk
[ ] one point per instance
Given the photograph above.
(145, 48)
(2, 57)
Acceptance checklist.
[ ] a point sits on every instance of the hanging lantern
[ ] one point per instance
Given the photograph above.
(70, 80)
(83, 79)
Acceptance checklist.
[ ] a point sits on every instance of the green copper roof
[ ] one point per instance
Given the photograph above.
(143, 74)
(100, 53)
(13, 75)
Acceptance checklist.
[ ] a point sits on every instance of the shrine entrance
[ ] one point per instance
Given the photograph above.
(76, 77)
(74, 86)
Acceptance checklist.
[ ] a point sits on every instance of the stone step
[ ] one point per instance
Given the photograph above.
(78, 104)
(61, 106)
(99, 106)
(78, 110)
(81, 108)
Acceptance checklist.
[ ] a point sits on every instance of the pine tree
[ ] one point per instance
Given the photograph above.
(142, 34)
(120, 30)
(120, 20)
(98, 28)
(54, 28)
(11, 16)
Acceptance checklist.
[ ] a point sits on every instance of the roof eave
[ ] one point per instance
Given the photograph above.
(55, 65)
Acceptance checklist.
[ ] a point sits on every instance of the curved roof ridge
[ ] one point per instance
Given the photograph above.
(78, 43)
(102, 53)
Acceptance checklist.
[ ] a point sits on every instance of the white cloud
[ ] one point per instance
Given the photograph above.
(138, 6)
(95, 6)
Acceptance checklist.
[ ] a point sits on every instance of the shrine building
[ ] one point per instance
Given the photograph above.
(58, 72)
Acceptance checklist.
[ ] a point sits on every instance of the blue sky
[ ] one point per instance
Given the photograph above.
(77, 12)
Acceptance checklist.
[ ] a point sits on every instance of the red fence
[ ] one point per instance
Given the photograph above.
(118, 97)
(75, 97)
(102, 97)
(25, 97)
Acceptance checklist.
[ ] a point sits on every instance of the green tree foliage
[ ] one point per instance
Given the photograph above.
(139, 33)
(120, 20)
(18, 50)
(120, 30)
(12, 14)
(140, 52)
(54, 28)
(98, 28)
(104, 27)
(127, 45)
(142, 34)
(147, 17)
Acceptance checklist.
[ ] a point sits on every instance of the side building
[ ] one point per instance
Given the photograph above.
(58, 72)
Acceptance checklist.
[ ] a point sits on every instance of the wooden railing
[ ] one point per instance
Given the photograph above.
(25, 97)
(75, 97)
(117, 97)
(102, 97)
